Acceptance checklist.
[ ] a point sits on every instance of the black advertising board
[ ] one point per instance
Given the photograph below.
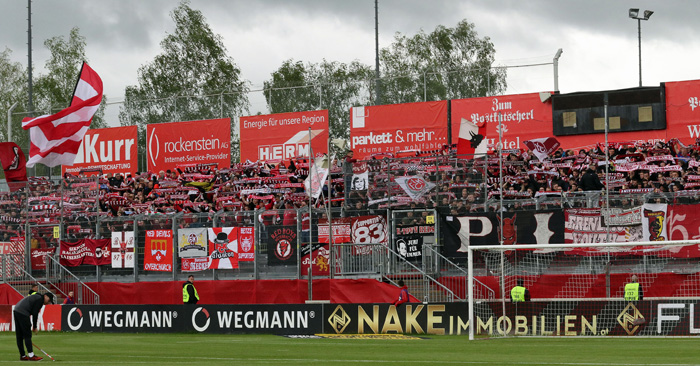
(239, 319)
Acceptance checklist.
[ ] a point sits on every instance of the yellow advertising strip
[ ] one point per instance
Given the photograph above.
(368, 336)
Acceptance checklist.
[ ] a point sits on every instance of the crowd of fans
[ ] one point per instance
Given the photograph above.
(457, 185)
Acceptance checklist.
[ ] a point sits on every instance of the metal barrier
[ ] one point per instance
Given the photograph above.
(453, 275)
(360, 260)
(420, 284)
(61, 279)
(15, 275)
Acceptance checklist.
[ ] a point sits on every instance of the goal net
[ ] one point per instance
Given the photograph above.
(579, 289)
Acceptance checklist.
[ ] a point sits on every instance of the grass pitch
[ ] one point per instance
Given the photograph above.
(201, 349)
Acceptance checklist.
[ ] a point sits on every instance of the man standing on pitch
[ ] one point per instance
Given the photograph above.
(26, 315)
(189, 293)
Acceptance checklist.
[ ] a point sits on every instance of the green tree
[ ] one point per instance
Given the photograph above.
(331, 85)
(54, 91)
(449, 63)
(13, 89)
(192, 79)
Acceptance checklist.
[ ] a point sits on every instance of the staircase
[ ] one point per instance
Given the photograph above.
(63, 281)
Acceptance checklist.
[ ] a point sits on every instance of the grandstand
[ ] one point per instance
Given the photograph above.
(407, 214)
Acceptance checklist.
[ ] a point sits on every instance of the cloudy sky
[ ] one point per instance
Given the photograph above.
(598, 39)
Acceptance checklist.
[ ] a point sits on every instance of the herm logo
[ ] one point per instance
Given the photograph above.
(296, 146)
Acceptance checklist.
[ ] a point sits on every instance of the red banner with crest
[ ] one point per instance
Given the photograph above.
(85, 251)
(158, 255)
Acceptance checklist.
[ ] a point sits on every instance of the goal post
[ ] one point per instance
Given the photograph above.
(579, 289)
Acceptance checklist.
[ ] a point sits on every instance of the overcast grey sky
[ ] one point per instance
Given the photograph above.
(599, 40)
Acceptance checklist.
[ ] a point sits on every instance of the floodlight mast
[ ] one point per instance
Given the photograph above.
(634, 14)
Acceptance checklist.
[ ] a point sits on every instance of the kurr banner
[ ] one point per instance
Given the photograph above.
(398, 127)
(114, 150)
(522, 117)
(193, 142)
(683, 110)
(283, 135)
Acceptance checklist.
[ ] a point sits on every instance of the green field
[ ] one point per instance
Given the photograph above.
(199, 349)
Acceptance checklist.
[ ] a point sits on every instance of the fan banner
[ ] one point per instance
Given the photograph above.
(398, 127)
(415, 186)
(39, 257)
(320, 262)
(542, 147)
(283, 136)
(519, 227)
(281, 245)
(193, 142)
(14, 164)
(106, 150)
(85, 251)
(360, 177)
(158, 253)
(586, 225)
(192, 243)
(654, 221)
(223, 248)
(246, 244)
(358, 230)
(195, 264)
(122, 249)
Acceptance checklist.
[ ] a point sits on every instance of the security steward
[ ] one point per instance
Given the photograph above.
(633, 291)
(519, 293)
(189, 292)
(34, 289)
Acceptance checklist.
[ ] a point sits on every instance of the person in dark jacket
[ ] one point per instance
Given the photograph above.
(590, 180)
(189, 292)
(26, 315)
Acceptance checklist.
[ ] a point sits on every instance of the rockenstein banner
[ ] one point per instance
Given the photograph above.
(184, 143)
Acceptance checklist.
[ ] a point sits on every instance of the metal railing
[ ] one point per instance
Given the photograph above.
(360, 260)
(60, 278)
(421, 285)
(453, 275)
(15, 275)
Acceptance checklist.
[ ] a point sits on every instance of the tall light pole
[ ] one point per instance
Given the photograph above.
(634, 14)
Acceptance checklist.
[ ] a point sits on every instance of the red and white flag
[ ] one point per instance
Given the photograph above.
(472, 139)
(55, 139)
(414, 186)
(542, 147)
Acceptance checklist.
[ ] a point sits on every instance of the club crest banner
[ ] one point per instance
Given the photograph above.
(192, 243)
(158, 254)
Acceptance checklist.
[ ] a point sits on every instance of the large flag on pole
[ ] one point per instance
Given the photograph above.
(317, 177)
(55, 139)
(472, 139)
